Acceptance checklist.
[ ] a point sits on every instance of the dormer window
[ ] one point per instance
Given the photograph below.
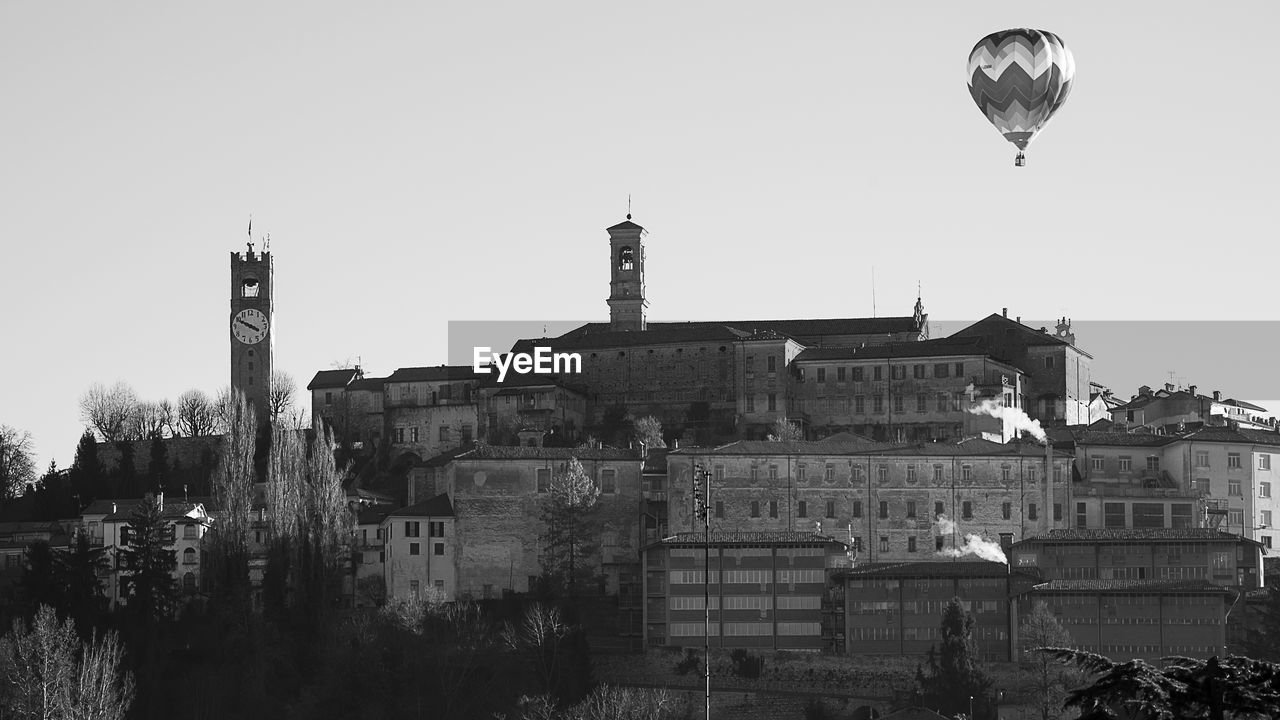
(249, 288)
(626, 258)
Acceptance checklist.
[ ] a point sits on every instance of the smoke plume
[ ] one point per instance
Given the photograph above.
(1012, 415)
(972, 545)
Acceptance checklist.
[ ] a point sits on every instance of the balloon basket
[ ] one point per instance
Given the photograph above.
(1020, 161)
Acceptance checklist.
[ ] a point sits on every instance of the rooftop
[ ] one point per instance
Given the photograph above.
(1146, 535)
(749, 538)
(438, 506)
(1131, 586)
(942, 347)
(517, 452)
(433, 374)
(327, 379)
(936, 569)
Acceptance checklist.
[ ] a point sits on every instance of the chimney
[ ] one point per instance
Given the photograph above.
(113, 507)
(1004, 312)
(1144, 391)
(1217, 396)
(1019, 320)
(1191, 389)
(1047, 510)
(160, 497)
(1168, 387)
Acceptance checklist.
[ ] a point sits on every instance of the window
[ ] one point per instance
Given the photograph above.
(328, 398)
(189, 582)
(877, 403)
(189, 556)
(773, 472)
(544, 479)
(626, 258)
(959, 369)
(1233, 461)
(751, 403)
(938, 508)
(937, 473)
(1113, 515)
(1048, 362)
(831, 509)
(1266, 519)
(1031, 511)
(755, 508)
(859, 404)
(720, 509)
(1233, 487)
(802, 509)
(1082, 515)
(898, 372)
(413, 434)
(822, 374)
(466, 434)
(922, 402)
(1098, 464)
(1264, 461)
(966, 472)
(897, 403)
(444, 433)
(943, 402)
(1126, 463)
(1006, 473)
(1202, 486)
(189, 531)
(608, 482)
(911, 543)
(415, 549)
(840, 374)
(911, 473)
(884, 510)
(719, 473)
(1153, 462)
(772, 362)
(938, 543)
(877, 373)
(911, 508)
(435, 529)
(398, 434)
(1202, 458)
(773, 508)
(1057, 512)
(437, 548)
(412, 528)
(967, 509)
(857, 374)
(1264, 490)
(884, 544)
(917, 372)
(773, 402)
(1006, 510)
(1235, 517)
(882, 474)
(413, 588)
(940, 370)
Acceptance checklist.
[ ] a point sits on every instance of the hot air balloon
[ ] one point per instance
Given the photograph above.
(1020, 78)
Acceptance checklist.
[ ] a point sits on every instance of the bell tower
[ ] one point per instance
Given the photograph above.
(626, 276)
(252, 331)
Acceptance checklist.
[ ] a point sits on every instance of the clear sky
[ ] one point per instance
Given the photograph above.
(422, 162)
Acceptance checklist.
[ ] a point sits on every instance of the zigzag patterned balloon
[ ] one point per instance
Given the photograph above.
(1019, 78)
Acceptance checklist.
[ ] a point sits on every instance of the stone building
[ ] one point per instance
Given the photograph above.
(765, 590)
(498, 495)
(915, 391)
(535, 408)
(1058, 373)
(884, 498)
(421, 547)
(107, 524)
(1171, 407)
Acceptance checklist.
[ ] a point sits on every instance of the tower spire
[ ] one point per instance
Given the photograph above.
(628, 206)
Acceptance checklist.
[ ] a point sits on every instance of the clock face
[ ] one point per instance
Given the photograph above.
(249, 326)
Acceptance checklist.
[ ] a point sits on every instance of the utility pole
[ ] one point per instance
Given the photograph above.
(701, 501)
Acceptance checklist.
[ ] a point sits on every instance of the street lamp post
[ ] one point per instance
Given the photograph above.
(701, 496)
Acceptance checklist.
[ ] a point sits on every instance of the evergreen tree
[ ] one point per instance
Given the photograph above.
(571, 535)
(39, 577)
(952, 676)
(147, 562)
(87, 475)
(77, 569)
(158, 468)
(1264, 642)
(125, 478)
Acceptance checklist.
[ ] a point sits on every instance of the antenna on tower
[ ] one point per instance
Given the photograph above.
(628, 206)
(250, 226)
(266, 244)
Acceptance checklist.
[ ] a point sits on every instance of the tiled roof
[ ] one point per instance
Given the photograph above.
(1030, 335)
(915, 713)
(438, 506)
(655, 462)
(810, 328)
(942, 347)
(1112, 437)
(656, 334)
(326, 379)
(855, 445)
(369, 384)
(448, 456)
(126, 505)
(1136, 534)
(1243, 404)
(748, 538)
(1131, 585)
(433, 373)
(624, 225)
(1241, 435)
(173, 510)
(373, 515)
(518, 452)
(936, 569)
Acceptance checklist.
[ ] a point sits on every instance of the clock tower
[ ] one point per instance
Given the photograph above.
(252, 319)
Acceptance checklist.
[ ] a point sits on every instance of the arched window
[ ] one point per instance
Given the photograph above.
(626, 258)
(189, 556)
(189, 583)
(249, 288)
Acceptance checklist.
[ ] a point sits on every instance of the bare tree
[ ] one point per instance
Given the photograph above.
(282, 396)
(1050, 679)
(223, 408)
(233, 491)
(785, 430)
(197, 416)
(109, 410)
(153, 419)
(17, 461)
